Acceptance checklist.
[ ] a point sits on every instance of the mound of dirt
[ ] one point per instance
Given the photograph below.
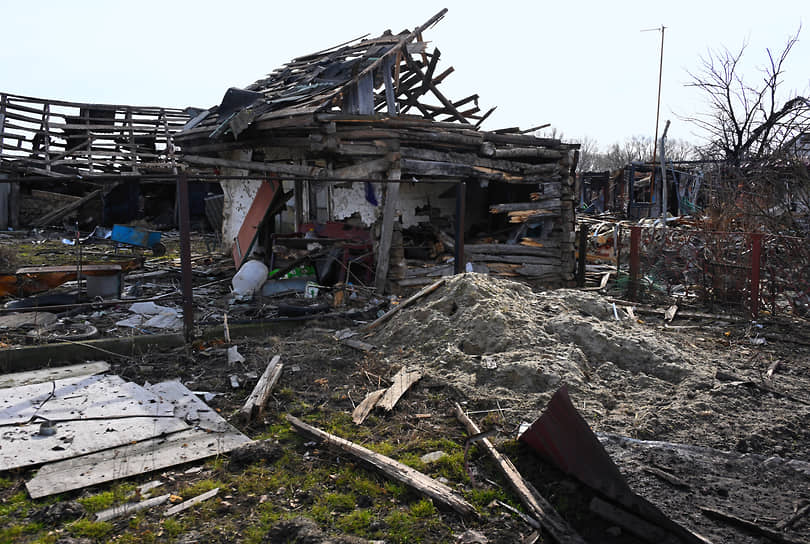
(497, 339)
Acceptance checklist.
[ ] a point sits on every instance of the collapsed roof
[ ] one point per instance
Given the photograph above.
(391, 73)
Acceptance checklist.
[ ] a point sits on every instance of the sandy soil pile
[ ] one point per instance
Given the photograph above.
(500, 343)
(494, 338)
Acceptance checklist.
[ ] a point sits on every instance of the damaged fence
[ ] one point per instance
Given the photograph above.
(736, 271)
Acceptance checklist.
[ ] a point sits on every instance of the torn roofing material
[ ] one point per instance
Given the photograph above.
(562, 436)
(347, 78)
(102, 428)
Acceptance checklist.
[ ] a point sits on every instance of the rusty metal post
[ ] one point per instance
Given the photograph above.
(583, 254)
(756, 255)
(185, 256)
(635, 261)
(461, 197)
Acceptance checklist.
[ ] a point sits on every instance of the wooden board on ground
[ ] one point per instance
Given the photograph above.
(185, 505)
(50, 374)
(363, 409)
(84, 397)
(402, 381)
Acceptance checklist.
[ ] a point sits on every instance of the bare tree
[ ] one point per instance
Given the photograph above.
(590, 159)
(746, 121)
(750, 127)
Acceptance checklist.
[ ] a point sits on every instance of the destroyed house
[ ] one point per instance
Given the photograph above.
(359, 138)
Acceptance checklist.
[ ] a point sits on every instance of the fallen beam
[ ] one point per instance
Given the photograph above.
(538, 506)
(404, 474)
(58, 214)
(404, 304)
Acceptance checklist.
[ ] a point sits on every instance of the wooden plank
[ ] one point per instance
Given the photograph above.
(517, 259)
(256, 401)
(255, 166)
(55, 373)
(132, 460)
(23, 446)
(185, 505)
(363, 409)
(404, 304)
(364, 170)
(537, 505)
(402, 381)
(58, 214)
(131, 507)
(386, 234)
(512, 249)
(526, 206)
(404, 474)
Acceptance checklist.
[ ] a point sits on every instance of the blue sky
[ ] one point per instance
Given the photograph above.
(584, 67)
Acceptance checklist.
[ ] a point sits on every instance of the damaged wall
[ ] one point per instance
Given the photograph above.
(238, 198)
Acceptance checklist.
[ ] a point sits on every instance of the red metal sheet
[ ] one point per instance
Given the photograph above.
(563, 437)
(255, 217)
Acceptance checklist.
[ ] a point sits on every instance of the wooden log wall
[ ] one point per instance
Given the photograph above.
(337, 146)
(59, 138)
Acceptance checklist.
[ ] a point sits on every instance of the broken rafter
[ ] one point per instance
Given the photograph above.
(537, 505)
(404, 474)
(436, 92)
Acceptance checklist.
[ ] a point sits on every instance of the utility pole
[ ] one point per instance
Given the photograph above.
(657, 107)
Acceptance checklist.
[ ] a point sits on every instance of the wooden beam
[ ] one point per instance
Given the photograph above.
(404, 474)
(538, 506)
(58, 214)
(404, 304)
(386, 234)
(256, 401)
(255, 166)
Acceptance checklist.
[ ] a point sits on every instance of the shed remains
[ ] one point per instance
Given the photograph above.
(360, 133)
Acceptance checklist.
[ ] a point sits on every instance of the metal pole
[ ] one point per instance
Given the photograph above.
(664, 185)
(756, 253)
(657, 108)
(635, 261)
(461, 196)
(185, 256)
